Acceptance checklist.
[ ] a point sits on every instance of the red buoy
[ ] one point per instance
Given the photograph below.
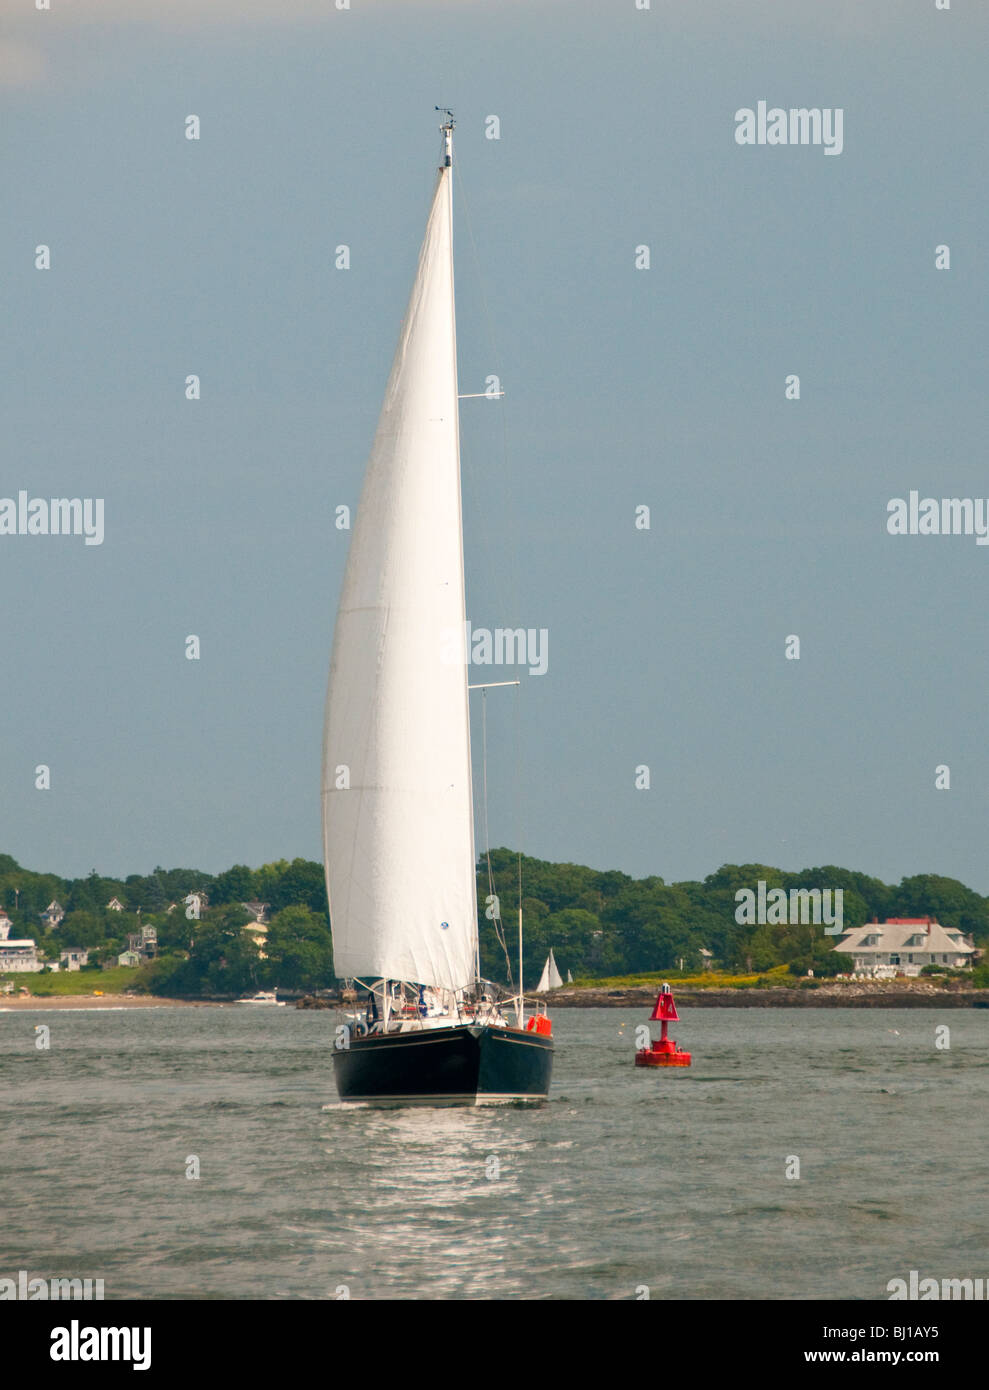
(664, 1052)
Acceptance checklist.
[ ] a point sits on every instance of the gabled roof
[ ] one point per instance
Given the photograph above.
(895, 933)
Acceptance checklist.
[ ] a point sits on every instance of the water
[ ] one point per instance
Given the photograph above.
(672, 1180)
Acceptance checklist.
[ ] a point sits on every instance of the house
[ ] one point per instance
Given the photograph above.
(258, 933)
(115, 905)
(129, 958)
(5, 924)
(145, 941)
(52, 915)
(904, 945)
(73, 958)
(195, 904)
(19, 954)
(258, 928)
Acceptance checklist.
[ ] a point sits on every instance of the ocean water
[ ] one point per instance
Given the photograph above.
(627, 1180)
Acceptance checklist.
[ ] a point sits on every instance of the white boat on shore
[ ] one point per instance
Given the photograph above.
(264, 996)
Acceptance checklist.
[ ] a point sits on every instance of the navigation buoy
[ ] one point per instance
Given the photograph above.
(664, 1052)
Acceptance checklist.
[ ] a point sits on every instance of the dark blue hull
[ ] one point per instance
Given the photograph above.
(466, 1064)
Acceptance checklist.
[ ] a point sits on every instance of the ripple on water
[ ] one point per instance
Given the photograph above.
(300, 1195)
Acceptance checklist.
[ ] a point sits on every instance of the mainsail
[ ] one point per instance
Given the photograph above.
(550, 978)
(397, 808)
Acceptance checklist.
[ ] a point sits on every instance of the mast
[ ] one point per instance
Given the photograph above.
(446, 171)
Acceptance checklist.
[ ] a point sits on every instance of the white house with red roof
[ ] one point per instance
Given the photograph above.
(904, 945)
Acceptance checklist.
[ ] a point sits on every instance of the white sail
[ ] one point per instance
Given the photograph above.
(397, 808)
(550, 978)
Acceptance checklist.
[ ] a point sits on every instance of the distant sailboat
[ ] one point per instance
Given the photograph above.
(569, 978)
(398, 830)
(551, 977)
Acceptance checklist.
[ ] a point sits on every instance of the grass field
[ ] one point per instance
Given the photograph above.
(709, 979)
(115, 981)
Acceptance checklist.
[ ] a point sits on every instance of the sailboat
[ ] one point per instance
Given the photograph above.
(551, 977)
(398, 819)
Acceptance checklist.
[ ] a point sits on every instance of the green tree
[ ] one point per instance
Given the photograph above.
(236, 885)
(82, 928)
(299, 950)
(300, 884)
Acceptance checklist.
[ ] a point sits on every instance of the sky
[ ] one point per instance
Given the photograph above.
(661, 387)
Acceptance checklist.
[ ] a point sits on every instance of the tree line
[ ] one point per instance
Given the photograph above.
(598, 923)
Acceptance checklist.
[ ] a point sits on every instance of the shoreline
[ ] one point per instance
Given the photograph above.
(865, 995)
(870, 995)
(14, 1003)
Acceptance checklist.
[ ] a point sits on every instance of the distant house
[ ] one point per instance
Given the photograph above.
(5, 924)
(904, 945)
(258, 933)
(129, 958)
(73, 958)
(257, 929)
(19, 955)
(52, 914)
(115, 905)
(706, 958)
(144, 942)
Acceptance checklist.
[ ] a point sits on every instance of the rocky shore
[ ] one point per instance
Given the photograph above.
(857, 994)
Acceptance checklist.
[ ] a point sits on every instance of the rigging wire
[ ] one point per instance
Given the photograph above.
(498, 924)
(513, 568)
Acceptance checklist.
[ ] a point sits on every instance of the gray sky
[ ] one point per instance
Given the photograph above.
(663, 387)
